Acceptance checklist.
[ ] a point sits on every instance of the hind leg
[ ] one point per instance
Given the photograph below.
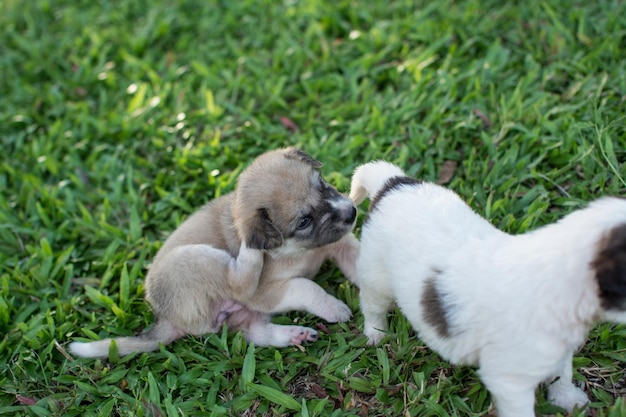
(186, 286)
(258, 328)
(510, 381)
(270, 334)
(510, 396)
(244, 272)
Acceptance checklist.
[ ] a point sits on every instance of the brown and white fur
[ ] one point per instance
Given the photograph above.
(248, 255)
(517, 307)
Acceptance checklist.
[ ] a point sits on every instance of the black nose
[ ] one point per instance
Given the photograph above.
(351, 215)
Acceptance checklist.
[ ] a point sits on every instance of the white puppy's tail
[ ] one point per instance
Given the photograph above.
(370, 178)
(162, 332)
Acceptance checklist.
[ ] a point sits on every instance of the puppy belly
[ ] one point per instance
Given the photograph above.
(243, 318)
(226, 309)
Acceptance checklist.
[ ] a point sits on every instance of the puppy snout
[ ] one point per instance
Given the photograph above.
(342, 209)
(344, 212)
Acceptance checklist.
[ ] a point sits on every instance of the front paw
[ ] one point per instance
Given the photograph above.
(334, 310)
(567, 396)
(374, 336)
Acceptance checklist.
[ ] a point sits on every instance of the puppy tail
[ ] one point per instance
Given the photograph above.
(162, 332)
(370, 178)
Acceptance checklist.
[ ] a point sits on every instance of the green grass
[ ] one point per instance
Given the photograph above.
(120, 118)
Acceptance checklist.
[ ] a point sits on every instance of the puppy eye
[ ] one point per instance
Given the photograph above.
(304, 222)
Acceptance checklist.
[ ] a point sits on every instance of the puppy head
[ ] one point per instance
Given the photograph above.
(609, 267)
(282, 202)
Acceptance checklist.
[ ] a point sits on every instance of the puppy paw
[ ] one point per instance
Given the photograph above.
(334, 311)
(288, 336)
(374, 336)
(300, 335)
(567, 396)
(278, 335)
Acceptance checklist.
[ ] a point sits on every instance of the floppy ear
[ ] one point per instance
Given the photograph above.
(610, 268)
(262, 234)
(294, 153)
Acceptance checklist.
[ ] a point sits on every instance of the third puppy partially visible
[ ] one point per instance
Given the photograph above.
(515, 306)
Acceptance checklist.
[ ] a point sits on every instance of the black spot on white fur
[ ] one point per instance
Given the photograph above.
(433, 307)
(392, 184)
(610, 269)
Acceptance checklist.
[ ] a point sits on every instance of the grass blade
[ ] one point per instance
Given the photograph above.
(249, 367)
(275, 396)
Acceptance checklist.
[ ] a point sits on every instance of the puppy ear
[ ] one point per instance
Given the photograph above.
(610, 268)
(294, 153)
(262, 234)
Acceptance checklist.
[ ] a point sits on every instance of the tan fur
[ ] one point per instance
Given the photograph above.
(241, 258)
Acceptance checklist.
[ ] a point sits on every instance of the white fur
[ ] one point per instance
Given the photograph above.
(515, 306)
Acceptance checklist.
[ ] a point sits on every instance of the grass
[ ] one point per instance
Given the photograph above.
(120, 118)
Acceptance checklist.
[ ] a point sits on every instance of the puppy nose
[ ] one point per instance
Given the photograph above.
(351, 215)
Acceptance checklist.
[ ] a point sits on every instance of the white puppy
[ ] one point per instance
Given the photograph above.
(515, 306)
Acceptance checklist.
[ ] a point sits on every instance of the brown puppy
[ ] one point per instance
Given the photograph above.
(247, 255)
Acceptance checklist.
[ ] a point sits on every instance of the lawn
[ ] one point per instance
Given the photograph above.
(119, 119)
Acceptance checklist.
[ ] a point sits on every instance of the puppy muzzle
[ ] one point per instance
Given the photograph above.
(343, 211)
(350, 216)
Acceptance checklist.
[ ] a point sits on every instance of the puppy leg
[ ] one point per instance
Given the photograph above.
(186, 286)
(258, 328)
(376, 296)
(345, 253)
(305, 295)
(374, 306)
(512, 395)
(244, 272)
(563, 393)
(270, 334)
